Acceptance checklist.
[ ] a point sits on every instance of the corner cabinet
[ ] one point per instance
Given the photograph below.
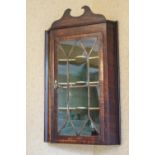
(81, 80)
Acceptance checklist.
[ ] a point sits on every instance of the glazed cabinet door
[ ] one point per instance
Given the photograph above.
(77, 85)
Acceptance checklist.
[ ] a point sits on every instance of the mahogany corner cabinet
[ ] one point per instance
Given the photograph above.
(82, 80)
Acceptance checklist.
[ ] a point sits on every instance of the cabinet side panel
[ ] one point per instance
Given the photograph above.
(46, 88)
(51, 99)
(112, 114)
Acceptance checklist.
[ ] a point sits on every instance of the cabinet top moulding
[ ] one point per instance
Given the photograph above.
(87, 18)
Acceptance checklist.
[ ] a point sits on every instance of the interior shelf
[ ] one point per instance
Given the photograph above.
(78, 108)
(77, 84)
(90, 58)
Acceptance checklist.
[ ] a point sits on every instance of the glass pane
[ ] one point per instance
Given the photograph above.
(94, 63)
(79, 118)
(95, 119)
(62, 65)
(88, 44)
(77, 72)
(78, 87)
(78, 97)
(78, 67)
(94, 96)
(62, 119)
(68, 130)
(62, 97)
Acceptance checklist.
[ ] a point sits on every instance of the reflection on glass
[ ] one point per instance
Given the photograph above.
(78, 87)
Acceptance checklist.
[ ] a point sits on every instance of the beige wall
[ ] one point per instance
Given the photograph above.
(40, 15)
